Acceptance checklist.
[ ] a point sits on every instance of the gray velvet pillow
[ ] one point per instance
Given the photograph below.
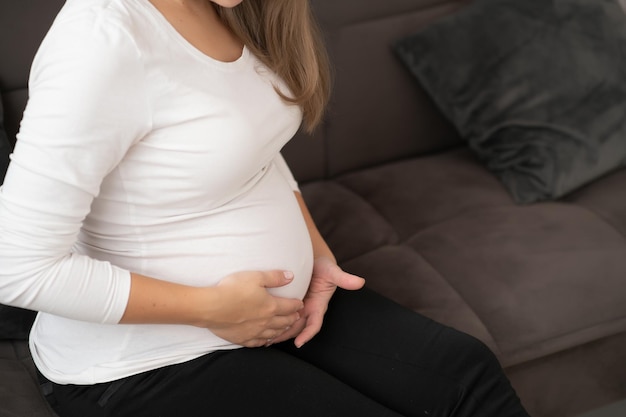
(537, 87)
(15, 323)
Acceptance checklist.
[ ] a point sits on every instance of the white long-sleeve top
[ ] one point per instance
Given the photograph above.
(138, 153)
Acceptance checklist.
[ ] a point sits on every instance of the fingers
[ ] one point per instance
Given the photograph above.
(255, 343)
(248, 314)
(287, 306)
(281, 323)
(275, 331)
(273, 279)
(291, 332)
(270, 337)
(303, 330)
(313, 326)
(348, 281)
(326, 267)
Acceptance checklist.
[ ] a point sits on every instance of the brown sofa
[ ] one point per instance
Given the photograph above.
(404, 202)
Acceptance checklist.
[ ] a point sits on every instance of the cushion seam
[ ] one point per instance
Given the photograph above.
(395, 239)
(469, 306)
(602, 217)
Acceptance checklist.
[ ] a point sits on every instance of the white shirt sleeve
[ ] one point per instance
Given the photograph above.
(284, 170)
(87, 107)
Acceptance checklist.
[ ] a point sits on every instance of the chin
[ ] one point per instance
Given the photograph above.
(227, 3)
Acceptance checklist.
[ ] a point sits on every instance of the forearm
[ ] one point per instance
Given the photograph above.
(153, 301)
(320, 247)
(239, 309)
(325, 279)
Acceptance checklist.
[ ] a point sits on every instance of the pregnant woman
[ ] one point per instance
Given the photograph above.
(150, 218)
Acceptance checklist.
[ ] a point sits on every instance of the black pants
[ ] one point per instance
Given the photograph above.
(372, 358)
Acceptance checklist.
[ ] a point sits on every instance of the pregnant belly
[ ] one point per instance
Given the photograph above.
(262, 229)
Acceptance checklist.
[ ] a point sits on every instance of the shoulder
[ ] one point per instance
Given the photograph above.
(94, 17)
(106, 15)
(88, 34)
(95, 26)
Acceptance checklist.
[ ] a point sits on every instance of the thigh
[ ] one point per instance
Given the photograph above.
(242, 382)
(406, 361)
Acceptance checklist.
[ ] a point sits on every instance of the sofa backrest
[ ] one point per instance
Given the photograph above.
(23, 25)
(377, 113)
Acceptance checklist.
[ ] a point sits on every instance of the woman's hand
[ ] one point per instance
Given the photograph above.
(245, 313)
(327, 276)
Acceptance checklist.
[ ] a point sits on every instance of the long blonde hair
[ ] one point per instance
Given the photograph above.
(284, 36)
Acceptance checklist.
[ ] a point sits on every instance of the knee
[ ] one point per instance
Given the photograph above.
(473, 352)
(484, 387)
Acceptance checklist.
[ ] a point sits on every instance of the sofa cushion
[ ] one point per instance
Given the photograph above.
(19, 390)
(537, 87)
(15, 323)
(446, 240)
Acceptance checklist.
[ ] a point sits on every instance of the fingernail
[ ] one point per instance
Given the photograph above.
(288, 275)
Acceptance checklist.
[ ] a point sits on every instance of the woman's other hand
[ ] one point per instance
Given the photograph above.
(327, 276)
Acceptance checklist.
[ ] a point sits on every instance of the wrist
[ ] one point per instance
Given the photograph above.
(204, 307)
(325, 258)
